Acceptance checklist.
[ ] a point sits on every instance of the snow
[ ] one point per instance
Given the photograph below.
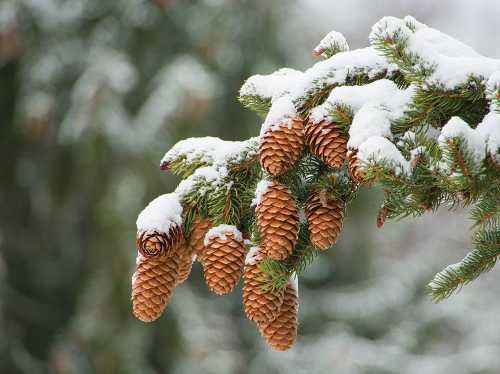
(252, 256)
(270, 86)
(210, 150)
(282, 112)
(294, 283)
(336, 69)
(332, 40)
(452, 62)
(221, 231)
(161, 214)
(332, 71)
(494, 81)
(208, 174)
(261, 188)
(375, 106)
(380, 150)
(493, 87)
(475, 140)
(370, 121)
(489, 131)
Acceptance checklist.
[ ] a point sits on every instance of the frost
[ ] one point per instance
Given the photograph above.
(474, 139)
(261, 188)
(252, 255)
(380, 150)
(221, 231)
(160, 214)
(333, 40)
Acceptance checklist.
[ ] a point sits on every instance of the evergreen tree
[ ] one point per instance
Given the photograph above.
(416, 112)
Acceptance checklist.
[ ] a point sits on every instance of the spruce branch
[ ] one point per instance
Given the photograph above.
(478, 261)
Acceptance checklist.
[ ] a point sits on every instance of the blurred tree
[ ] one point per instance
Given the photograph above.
(92, 94)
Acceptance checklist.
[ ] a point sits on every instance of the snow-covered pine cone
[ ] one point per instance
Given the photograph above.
(260, 305)
(152, 285)
(281, 333)
(222, 260)
(281, 146)
(278, 221)
(324, 215)
(327, 141)
(154, 243)
(354, 167)
(199, 229)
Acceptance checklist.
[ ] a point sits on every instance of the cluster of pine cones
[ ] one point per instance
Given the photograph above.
(165, 258)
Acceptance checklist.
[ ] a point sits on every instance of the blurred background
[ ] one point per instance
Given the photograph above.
(92, 93)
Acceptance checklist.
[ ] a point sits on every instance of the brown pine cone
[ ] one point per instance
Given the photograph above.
(199, 229)
(153, 243)
(260, 305)
(382, 216)
(324, 215)
(327, 141)
(280, 148)
(222, 261)
(278, 220)
(355, 171)
(281, 333)
(186, 256)
(152, 285)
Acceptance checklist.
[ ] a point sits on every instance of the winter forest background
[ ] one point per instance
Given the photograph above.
(92, 93)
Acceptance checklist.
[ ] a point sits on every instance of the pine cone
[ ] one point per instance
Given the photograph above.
(260, 305)
(355, 171)
(281, 147)
(199, 229)
(186, 256)
(324, 215)
(382, 216)
(278, 220)
(282, 331)
(222, 262)
(327, 141)
(152, 285)
(153, 243)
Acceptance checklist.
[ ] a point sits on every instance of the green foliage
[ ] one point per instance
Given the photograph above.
(478, 261)
(429, 175)
(256, 103)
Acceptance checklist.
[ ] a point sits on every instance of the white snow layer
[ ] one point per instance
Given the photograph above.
(221, 231)
(204, 175)
(294, 283)
(282, 112)
(485, 138)
(380, 150)
(455, 128)
(261, 188)
(332, 40)
(452, 62)
(209, 149)
(270, 86)
(334, 70)
(252, 256)
(375, 106)
(160, 214)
